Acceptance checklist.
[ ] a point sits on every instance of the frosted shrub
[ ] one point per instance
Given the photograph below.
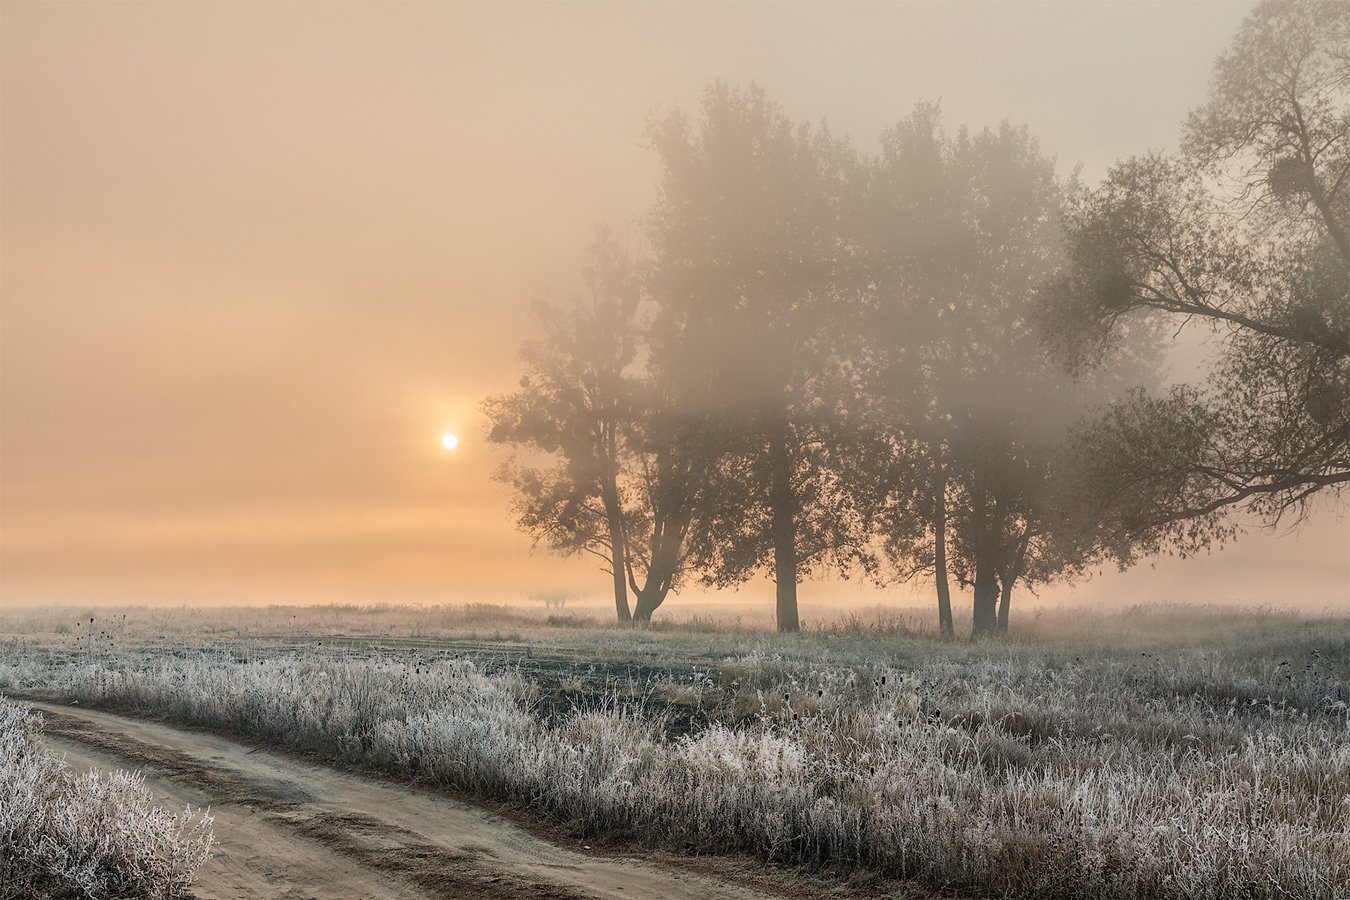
(93, 835)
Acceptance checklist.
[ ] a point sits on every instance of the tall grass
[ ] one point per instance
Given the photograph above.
(996, 771)
(95, 835)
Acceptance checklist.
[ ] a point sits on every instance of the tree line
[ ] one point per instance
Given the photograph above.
(942, 360)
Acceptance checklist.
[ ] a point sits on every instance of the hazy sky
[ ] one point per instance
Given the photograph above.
(256, 258)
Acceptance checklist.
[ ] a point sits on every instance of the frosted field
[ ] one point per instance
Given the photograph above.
(1159, 752)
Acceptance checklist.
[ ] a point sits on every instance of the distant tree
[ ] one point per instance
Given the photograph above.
(961, 234)
(604, 466)
(746, 254)
(1244, 233)
(913, 243)
(572, 410)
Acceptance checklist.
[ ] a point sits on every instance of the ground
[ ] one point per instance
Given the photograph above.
(465, 752)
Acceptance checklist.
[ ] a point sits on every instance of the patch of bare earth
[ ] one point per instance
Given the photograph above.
(291, 829)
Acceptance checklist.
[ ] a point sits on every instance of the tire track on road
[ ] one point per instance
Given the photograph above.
(279, 815)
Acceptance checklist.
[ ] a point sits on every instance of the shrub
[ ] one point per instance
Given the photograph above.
(92, 835)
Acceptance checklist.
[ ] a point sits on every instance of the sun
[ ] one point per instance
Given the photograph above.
(449, 441)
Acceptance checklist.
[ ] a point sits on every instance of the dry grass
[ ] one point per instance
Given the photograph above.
(1164, 752)
(96, 835)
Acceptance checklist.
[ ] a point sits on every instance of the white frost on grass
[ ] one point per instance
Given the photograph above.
(92, 835)
(989, 775)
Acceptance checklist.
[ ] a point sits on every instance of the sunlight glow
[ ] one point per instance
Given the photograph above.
(449, 442)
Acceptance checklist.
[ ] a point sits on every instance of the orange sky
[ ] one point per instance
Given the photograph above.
(256, 258)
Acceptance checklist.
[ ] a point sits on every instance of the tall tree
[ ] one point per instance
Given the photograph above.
(604, 466)
(961, 234)
(746, 252)
(1243, 234)
(907, 221)
(572, 409)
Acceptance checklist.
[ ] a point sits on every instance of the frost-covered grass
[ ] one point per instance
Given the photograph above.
(94, 835)
(1213, 764)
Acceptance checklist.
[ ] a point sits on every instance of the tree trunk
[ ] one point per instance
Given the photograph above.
(667, 541)
(784, 527)
(986, 598)
(618, 558)
(944, 592)
(647, 602)
(1009, 577)
(1004, 601)
(620, 587)
(651, 595)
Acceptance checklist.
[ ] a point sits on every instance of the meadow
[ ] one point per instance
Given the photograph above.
(1152, 752)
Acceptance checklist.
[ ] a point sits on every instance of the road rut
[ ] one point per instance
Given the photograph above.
(291, 829)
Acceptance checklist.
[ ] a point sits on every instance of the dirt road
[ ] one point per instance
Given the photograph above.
(289, 829)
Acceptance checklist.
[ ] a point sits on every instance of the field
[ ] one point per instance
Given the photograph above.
(1168, 752)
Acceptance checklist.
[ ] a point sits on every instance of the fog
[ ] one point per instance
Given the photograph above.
(257, 259)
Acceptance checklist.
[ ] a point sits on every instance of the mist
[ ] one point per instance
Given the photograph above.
(675, 450)
(257, 260)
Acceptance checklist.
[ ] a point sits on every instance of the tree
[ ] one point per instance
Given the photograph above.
(961, 234)
(746, 252)
(1244, 234)
(573, 408)
(605, 466)
(670, 466)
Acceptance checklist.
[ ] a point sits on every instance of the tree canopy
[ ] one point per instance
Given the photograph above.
(941, 358)
(747, 254)
(960, 236)
(1243, 234)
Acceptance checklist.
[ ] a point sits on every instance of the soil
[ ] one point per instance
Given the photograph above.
(288, 828)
